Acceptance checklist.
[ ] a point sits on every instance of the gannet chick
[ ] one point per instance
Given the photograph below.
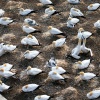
(74, 1)
(59, 70)
(5, 20)
(97, 24)
(51, 62)
(5, 73)
(1, 49)
(9, 48)
(54, 31)
(59, 42)
(42, 97)
(28, 29)
(25, 11)
(49, 11)
(71, 22)
(76, 12)
(30, 87)
(82, 34)
(33, 71)
(2, 12)
(55, 76)
(3, 86)
(30, 40)
(46, 2)
(87, 76)
(31, 54)
(93, 94)
(84, 49)
(30, 22)
(76, 51)
(6, 66)
(94, 6)
(82, 64)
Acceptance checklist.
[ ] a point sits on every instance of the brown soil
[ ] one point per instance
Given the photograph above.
(57, 21)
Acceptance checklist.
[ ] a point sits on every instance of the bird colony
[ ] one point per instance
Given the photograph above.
(41, 63)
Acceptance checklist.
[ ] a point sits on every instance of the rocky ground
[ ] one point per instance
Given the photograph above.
(70, 90)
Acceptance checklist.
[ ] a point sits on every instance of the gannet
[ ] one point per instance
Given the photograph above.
(97, 24)
(42, 97)
(74, 1)
(46, 2)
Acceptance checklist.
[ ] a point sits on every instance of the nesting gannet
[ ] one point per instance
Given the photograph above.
(97, 24)
(84, 49)
(76, 51)
(55, 76)
(33, 71)
(87, 76)
(75, 12)
(46, 2)
(54, 31)
(9, 48)
(3, 86)
(6, 66)
(29, 40)
(59, 42)
(1, 49)
(2, 12)
(5, 20)
(59, 70)
(82, 34)
(49, 11)
(42, 97)
(5, 73)
(30, 87)
(82, 64)
(71, 22)
(25, 11)
(93, 94)
(74, 1)
(28, 29)
(30, 22)
(31, 54)
(94, 6)
(51, 62)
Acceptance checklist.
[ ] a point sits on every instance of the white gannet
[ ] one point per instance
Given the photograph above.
(82, 64)
(1, 49)
(93, 94)
(5, 73)
(84, 49)
(71, 22)
(30, 87)
(94, 6)
(97, 24)
(25, 11)
(2, 12)
(9, 48)
(59, 70)
(75, 12)
(6, 66)
(31, 54)
(3, 86)
(28, 29)
(33, 71)
(59, 42)
(54, 31)
(55, 76)
(74, 1)
(46, 2)
(82, 34)
(29, 40)
(42, 97)
(51, 62)
(49, 11)
(76, 51)
(87, 76)
(5, 20)
(30, 22)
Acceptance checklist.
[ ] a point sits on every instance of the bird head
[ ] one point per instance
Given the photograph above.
(79, 62)
(81, 73)
(57, 67)
(91, 5)
(1, 70)
(50, 27)
(54, 73)
(75, 9)
(51, 8)
(21, 9)
(5, 65)
(5, 18)
(27, 51)
(81, 29)
(29, 36)
(91, 93)
(29, 67)
(26, 86)
(69, 18)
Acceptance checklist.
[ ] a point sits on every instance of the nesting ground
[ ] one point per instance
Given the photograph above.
(16, 58)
